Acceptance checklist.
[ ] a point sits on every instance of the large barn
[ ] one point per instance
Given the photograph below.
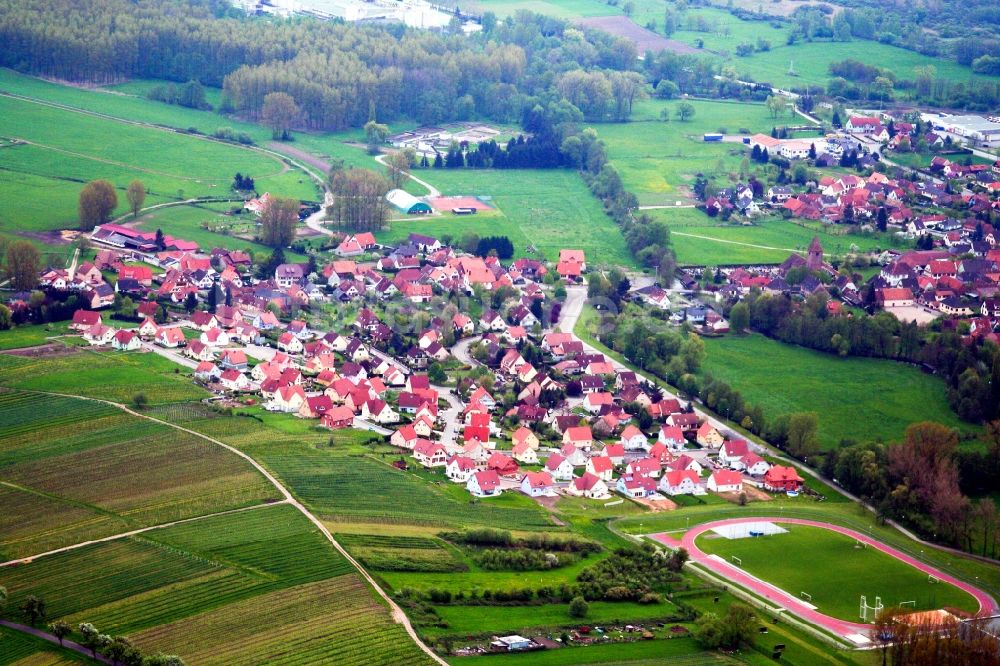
(408, 203)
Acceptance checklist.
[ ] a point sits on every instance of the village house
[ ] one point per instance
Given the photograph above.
(560, 468)
(485, 483)
(680, 482)
(709, 437)
(537, 484)
(602, 467)
(430, 454)
(725, 481)
(460, 468)
(636, 487)
(782, 479)
(337, 418)
(589, 486)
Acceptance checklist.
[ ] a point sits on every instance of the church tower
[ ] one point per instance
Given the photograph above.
(814, 260)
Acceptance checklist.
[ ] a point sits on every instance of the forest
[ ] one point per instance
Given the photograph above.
(338, 75)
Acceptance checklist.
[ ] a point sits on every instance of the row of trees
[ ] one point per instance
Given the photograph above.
(118, 649)
(98, 200)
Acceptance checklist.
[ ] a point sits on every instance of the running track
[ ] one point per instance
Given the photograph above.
(793, 604)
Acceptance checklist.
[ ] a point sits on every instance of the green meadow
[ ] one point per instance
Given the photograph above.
(830, 567)
(860, 399)
(658, 161)
(549, 210)
(700, 240)
(811, 62)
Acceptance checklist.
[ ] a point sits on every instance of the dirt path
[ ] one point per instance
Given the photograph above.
(300, 155)
(45, 636)
(114, 537)
(432, 191)
(397, 613)
(720, 240)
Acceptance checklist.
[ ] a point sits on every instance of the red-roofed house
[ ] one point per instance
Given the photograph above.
(590, 486)
(682, 482)
(537, 484)
(484, 484)
(782, 479)
(725, 481)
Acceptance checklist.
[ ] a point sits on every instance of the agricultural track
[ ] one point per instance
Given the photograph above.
(397, 613)
(113, 537)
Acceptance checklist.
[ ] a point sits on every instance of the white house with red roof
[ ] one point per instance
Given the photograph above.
(732, 450)
(560, 468)
(681, 482)
(753, 465)
(288, 399)
(685, 463)
(782, 479)
(430, 454)
(672, 437)
(378, 411)
(632, 439)
(485, 483)
(170, 337)
(126, 341)
(594, 402)
(590, 486)
(602, 467)
(84, 319)
(538, 484)
(635, 486)
(234, 380)
(288, 343)
(460, 468)
(644, 467)
(725, 481)
(616, 452)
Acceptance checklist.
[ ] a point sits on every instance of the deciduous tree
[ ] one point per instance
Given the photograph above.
(278, 218)
(24, 263)
(136, 195)
(280, 113)
(98, 200)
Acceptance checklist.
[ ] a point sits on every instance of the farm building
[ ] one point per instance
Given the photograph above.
(407, 203)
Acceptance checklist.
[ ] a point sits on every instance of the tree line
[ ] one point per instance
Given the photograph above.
(334, 72)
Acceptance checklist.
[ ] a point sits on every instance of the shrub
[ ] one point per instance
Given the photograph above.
(578, 607)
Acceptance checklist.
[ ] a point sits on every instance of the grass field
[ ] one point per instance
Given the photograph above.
(658, 160)
(65, 149)
(186, 222)
(470, 620)
(547, 209)
(830, 567)
(115, 376)
(700, 240)
(75, 470)
(812, 61)
(784, 379)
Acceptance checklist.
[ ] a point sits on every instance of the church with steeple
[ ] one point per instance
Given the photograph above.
(814, 259)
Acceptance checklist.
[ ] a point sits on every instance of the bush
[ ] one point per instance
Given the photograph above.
(578, 607)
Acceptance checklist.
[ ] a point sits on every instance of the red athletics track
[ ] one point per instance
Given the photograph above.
(793, 604)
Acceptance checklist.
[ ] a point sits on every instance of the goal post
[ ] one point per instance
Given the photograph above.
(908, 604)
(931, 578)
(737, 561)
(805, 595)
(865, 609)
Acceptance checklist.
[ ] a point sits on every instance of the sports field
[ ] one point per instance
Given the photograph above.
(784, 379)
(834, 570)
(548, 209)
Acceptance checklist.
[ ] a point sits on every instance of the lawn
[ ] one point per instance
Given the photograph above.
(31, 335)
(67, 148)
(699, 240)
(830, 567)
(116, 376)
(812, 60)
(860, 399)
(658, 161)
(549, 210)
(678, 651)
(186, 222)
